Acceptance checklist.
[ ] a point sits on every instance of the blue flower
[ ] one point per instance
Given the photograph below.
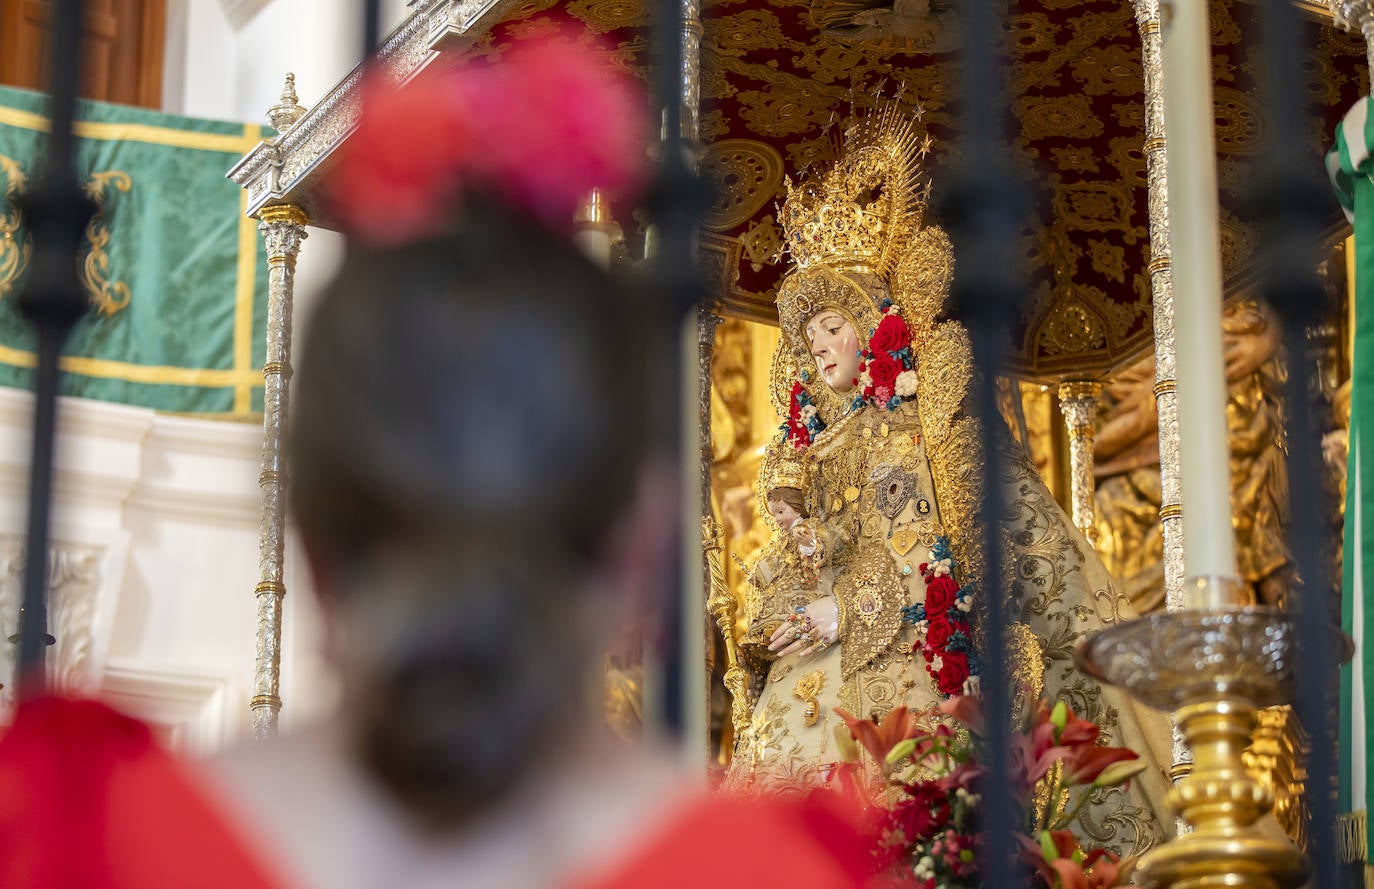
(914, 614)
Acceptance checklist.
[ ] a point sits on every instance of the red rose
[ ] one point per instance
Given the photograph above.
(883, 371)
(940, 595)
(952, 673)
(927, 812)
(892, 335)
(938, 632)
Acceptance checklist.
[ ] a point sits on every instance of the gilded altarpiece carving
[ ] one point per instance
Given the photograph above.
(1129, 502)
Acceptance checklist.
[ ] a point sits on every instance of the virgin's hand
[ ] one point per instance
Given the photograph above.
(817, 627)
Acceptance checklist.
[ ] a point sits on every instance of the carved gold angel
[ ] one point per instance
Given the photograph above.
(893, 474)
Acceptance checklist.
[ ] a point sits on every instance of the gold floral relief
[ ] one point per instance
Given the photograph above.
(1238, 242)
(1128, 156)
(1122, 316)
(1108, 258)
(1072, 327)
(745, 175)
(602, 16)
(1044, 117)
(1240, 122)
(1096, 207)
(1225, 29)
(1113, 69)
(783, 114)
(14, 254)
(1033, 32)
(762, 242)
(744, 32)
(1075, 158)
(713, 125)
(107, 296)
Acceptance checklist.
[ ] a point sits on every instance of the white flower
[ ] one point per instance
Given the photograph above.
(922, 625)
(942, 567)
(937, 663)
(965, 604)
(906, 383)
(973, 686)
(865, 380)
(808, 412)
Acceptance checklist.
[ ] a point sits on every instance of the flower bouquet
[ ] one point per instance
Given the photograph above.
(919, 783)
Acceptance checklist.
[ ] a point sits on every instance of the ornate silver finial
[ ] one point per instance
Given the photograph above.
(287, 110)
(1356, 15)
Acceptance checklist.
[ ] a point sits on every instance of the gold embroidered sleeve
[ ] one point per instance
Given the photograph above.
(870, 595)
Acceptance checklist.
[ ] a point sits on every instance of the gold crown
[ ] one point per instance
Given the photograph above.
(781, 467)
(784, 471)
(861, 212)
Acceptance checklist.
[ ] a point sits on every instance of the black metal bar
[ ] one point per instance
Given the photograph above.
(56, 213)
(982, 207)
(1291, 202)
(372, 26)
(676, 205)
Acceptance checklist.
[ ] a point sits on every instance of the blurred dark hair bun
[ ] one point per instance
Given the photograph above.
(469, 415)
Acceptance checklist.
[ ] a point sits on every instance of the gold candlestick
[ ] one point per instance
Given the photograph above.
(1213, 668)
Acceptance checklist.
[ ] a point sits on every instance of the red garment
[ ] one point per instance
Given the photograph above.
(743, 843)
(88, 800)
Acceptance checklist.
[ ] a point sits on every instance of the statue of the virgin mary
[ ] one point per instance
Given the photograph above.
(873, 389)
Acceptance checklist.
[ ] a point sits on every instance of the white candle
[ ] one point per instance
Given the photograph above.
(1189, 122)
(593, 229)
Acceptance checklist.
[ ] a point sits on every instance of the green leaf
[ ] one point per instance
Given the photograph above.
(1047, 847)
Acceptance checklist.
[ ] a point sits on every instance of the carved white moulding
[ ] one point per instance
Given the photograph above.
(83, 590)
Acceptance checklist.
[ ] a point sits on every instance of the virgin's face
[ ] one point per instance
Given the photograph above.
(835, 347)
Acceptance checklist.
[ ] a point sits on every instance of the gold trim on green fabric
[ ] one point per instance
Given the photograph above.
(105, 368)
(138, 132)
(242, 377)
(247, 284)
